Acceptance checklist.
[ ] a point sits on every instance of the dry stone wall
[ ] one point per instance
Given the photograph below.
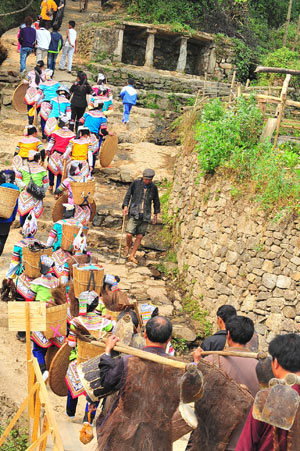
(230, 253)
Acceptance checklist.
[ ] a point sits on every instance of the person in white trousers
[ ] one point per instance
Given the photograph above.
(69, 48)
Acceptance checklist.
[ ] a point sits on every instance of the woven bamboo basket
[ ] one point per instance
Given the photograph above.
(86, 351)
(8, 199)
(83, 191)
(31, 261)
(69, 232)
(81, 278)
(56, 321)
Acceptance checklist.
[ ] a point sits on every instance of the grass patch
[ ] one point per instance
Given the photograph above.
(16, 441)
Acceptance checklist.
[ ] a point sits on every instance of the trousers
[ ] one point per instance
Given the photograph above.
(67, 52)
(51, 179)
(126, 112)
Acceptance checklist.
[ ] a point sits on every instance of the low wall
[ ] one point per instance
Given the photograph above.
(230, 253)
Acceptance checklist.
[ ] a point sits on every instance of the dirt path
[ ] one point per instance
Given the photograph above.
(134, 154)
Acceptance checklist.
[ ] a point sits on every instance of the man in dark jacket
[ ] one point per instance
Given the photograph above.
(217, 341)
(55, 46)
(138, 202)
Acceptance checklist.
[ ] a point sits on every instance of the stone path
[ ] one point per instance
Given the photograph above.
(136, 151)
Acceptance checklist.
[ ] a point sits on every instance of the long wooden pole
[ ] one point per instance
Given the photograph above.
(276, 70)
(171, 362)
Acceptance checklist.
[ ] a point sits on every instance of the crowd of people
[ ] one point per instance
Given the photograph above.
(73, 125)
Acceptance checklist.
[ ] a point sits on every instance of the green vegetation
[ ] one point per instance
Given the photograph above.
(228, 140)
(192, 307)
(180, 345)
(16, 441)
(282, 57)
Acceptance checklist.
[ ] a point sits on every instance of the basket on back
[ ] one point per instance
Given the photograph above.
(88, 277)
(83, 192)
(31, 260)
(8, 199)
(56, 321)
(69, 232)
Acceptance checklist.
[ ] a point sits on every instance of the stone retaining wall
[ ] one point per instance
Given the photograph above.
(231, 253)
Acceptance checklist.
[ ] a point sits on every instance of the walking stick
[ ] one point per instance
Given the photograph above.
(64, 171)
(121, 239)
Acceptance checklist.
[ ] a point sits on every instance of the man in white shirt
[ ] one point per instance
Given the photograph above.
(69, 48)
(43, 39)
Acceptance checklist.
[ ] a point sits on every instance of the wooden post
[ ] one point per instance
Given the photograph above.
(45, 427)
(204, 85)
(281, 106)
(36, 420)
(239, 90)
(297, 34)
(288, 19)
(231, 87)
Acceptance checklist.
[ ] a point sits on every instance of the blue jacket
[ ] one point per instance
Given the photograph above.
(129, 95)
(56, 42)
(12, 218)
(49, 91)
(94, 120)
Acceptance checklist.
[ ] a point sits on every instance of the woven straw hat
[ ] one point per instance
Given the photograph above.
(108, 150)
(58, 370)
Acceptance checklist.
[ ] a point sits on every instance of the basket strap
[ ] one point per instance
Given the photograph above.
(85, 200)
(92, 279)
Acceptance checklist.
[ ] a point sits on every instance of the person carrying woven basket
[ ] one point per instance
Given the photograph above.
(7, 180)
(32, 179)
(29, 142)
(80, 151)
(96, 122)
(86, 321)
(43, 288)
(57, 145)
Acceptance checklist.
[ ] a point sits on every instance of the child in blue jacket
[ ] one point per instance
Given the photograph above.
(129, 98)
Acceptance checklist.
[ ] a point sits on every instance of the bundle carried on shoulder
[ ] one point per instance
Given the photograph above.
(83, 190)
(31, 258)
(8, 199)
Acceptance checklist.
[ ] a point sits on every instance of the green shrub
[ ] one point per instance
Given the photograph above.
(230, 139)
(222, 132)
(282, 57)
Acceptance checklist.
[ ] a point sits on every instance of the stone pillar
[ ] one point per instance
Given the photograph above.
(149, 55)
(181, 63)
(117, 54)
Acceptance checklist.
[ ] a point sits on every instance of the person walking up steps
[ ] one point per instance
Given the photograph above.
(55, 46)
(138, 202)
(69, 48)
(43, 39)
(129, 97)
(27, 38)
